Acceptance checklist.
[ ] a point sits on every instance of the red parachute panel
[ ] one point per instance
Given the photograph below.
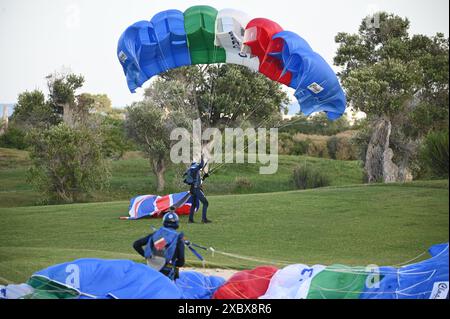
(246, 284)
(259, 33)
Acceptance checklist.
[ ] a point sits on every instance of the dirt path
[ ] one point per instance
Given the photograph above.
(224, 273)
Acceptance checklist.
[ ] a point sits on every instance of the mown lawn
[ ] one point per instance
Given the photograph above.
(354, 225)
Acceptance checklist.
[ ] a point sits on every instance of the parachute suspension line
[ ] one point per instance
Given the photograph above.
(264, 120)
(352, 270)
(268, 92)
(213, 93)
(195, 284)
(267, 116)
(178, 99)
(258, 260)
(212, 88)
(248, 115)
(259, 104)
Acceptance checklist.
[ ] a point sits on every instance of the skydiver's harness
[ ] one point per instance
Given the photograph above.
(161, 249)
(190, 175)
(164, 258)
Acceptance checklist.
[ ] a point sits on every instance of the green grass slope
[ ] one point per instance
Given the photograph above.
(354, 225)
(132, 176)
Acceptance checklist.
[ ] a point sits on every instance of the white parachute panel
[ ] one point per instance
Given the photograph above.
(230, 30)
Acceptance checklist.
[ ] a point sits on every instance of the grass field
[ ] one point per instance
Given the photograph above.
(354, 225)
(132, 176)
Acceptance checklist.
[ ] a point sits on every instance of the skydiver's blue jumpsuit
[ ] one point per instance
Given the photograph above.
(197, 193)
(178, 253)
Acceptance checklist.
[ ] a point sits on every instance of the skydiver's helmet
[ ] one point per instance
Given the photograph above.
(171, 220)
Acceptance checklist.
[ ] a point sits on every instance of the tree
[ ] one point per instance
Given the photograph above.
(68, 158)
(317, 124)
(388, 75)
(149, 125)
(33, 111)
(99, 103)
(67, 163)
(115, 142)
(63, 96)
(221, 95)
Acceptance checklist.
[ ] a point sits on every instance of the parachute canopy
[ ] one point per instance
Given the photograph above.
(91, 278)
(246, 284)
(100, 278)
(204, 35)
(155, 206)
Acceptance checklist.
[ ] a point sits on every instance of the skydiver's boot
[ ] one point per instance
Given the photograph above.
(191, 221)
(206, 221)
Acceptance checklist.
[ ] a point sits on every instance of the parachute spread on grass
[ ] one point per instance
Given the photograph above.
(125, 279)
(90, 278)
(246, 284)
(204, 35)
(155, 206)
(428, 279)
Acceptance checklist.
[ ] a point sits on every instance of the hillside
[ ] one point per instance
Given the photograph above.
(132, 176)
(356, 225)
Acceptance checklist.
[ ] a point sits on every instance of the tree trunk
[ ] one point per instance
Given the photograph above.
(404, 172)
(159, 168)
(68, 115)
(4, 120)
(407, 150)
(379, 166)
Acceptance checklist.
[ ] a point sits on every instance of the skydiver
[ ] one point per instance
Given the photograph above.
(164, 249)
(197, 192)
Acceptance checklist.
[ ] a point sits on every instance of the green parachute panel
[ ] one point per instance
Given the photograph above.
(199, 22)
(48, 289)
(338, 282)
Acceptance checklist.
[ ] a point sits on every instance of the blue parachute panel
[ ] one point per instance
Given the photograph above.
(422, 280)
(317, 88)
(164, 44)
(103, 279)
(290, 54)
(129, 54)
(195, 285)
(148, 48)
(170, 34)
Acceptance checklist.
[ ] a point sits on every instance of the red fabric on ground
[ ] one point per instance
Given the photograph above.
(246, 284)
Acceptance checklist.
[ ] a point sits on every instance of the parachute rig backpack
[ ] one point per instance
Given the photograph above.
(189, 175)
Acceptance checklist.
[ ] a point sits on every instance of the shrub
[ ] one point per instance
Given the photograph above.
(300, 147)
(285, 144)
(242, 182)
(434, 154)
(307, 177)
(288, 145)
(341, 147)
(332, 146)
(67, 164)
(346, 151)
(318, 149)
(13, 138)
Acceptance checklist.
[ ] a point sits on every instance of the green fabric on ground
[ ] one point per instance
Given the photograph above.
(338, 282)
(47, 289)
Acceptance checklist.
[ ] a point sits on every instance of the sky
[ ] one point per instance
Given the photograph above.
(38, 37)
